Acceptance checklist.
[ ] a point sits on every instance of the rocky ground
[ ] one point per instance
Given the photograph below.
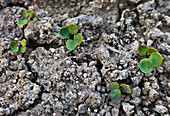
(47, 80)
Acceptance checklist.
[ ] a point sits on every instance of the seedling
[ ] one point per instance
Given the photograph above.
(153, 58)
(23, 47)
(26, 14)
(126, 88)
(75, 38)
(115, 89)
(14, 46)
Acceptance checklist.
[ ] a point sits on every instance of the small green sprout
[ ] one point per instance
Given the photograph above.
(14, 46)
(146, 65)
(26, 14)
(64, 33)
(142, 50)
(115, 89)
(70, 44)
(23, 47)
(75, 38)
(153, 58)
(114, 85)
(115, 94)
(72, 28)
(126, 88)
(78, 38)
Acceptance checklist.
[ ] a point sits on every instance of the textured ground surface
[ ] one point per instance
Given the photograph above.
(47, 80)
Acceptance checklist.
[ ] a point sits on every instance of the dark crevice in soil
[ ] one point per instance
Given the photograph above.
(85, 59)
(103, 82)
(137, 19)
(3, 71)
(14, 4)
(119, 11)
(99, 67)
(32, 45)
(121, 111)
(36, 102)
(161, 87)
(139, 58)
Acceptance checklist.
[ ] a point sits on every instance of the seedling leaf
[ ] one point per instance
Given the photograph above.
(31, 13)
(70, 44)
(78, 38)
(64, 33)
(14, 46)
(146, 65)
(126, 88)
(142, 50)
(24, 13)
(22, 22)
(156, 59)
(15, 49)
(73, 29)
(114, 86)
(23, 49)
(23, 42)
(115, 94)
(150, 51)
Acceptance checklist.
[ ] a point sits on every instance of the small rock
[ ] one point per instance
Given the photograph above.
(128, 108)
(108, 114)
(149, 42)
(161, 109)
(7, 111)
(95, 110)
(115, 112)
(94, 99)
(1, 111)
(136, 91)
(82, 108)
(136, 80)
(153, 94)
(167, 18)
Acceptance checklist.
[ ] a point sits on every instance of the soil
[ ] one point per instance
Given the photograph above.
(48, 80)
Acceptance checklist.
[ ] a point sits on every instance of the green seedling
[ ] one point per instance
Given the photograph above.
(115, 94)
(75, 38)
(26, 14)
(146, 65)
(64, 33)
(78, 38)
(23, 47)
(70, 44)
(153, 58)
(14, 46)
(114, 85)
(126, 88)
(72, 28)
(115, 89)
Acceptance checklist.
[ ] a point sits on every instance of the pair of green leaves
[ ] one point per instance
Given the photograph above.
(153, 58)
(69, 30)
(26, 14)
(14, 46)
(115, 89)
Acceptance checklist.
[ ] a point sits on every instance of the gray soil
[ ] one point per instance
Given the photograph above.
(48, 80)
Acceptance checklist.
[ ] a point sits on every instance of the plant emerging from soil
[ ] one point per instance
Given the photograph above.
(115, 89)
(14, 46)
(153, 58)
(75, 38)
(26, 14)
